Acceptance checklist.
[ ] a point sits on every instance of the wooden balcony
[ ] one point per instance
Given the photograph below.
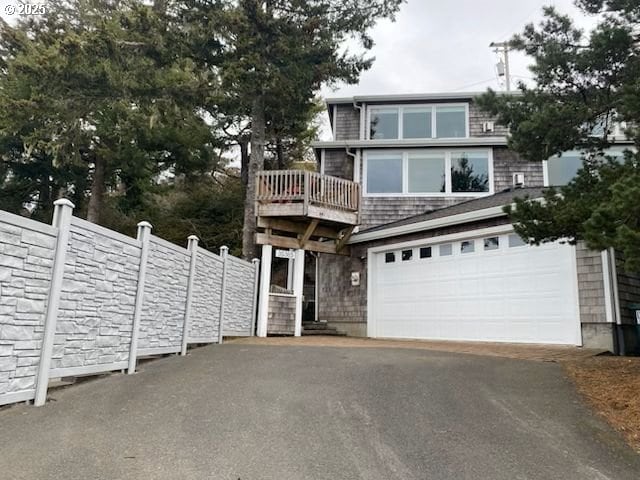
(307, 209)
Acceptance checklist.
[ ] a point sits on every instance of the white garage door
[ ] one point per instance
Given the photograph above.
(489, 288)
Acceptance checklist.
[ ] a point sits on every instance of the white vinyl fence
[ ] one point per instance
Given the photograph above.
(77, 299)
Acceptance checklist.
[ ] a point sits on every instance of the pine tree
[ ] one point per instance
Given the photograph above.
(585, 83)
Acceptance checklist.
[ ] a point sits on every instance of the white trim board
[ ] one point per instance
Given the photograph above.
(411, 143)
(475, 215)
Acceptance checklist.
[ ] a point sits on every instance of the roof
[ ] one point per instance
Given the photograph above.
(485, 207)
(409, 97)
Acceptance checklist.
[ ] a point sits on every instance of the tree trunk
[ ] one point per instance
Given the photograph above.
(97, 190)
(244, 160)
(256, 163)
(279, 153)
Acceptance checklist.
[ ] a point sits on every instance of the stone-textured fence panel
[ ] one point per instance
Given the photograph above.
(163, 311)
(27, 249)
(95, 318)
(77, 298)
(205, 318)
(239, 308)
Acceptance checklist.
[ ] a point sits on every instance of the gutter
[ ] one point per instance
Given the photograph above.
(476, 215)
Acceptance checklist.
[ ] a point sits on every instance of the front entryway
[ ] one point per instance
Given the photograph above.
(490, 287)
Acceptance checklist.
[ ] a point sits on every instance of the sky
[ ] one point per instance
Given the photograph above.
(443, 46)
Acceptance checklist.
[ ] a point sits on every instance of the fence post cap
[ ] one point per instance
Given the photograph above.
(64, 202)
(255, 260)
(144, 224)
(224, 250)
(193, 238)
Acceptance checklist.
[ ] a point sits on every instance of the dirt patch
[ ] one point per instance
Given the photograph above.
(612, 386)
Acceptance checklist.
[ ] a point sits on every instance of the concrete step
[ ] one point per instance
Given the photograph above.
(326, 333)
(315, 326)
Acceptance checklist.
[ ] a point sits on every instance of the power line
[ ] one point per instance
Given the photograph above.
(474, 84)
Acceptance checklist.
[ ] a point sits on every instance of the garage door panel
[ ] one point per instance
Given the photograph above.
(522, 294)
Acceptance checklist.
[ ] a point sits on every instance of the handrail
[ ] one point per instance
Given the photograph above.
(310, 188)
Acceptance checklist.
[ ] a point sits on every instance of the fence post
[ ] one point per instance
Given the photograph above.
(193, 249)
(62, 221)
(265, 281)
(144, 231)
(256, 285)
(224, 253)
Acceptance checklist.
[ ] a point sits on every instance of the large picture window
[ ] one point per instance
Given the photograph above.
(469, 172)
(384, 173)
(428, 173)
(560, 170)
(416, 122)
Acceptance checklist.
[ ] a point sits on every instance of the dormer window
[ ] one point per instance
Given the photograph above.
(418, 122)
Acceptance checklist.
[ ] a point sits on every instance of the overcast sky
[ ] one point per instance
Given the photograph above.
(443, 45)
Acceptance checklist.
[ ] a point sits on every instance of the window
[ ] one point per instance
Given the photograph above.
(425, 252)
(516, 241)
(418, 121)
(384, 174)
(446, 250)
(451, 122)
(468, 246)
(407, 255)
(384, 123)
(428, 172)
(389, 257)
(492, 243)
(560, 170)
(469, 172)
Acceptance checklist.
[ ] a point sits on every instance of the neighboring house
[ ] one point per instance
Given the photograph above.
(434, 256)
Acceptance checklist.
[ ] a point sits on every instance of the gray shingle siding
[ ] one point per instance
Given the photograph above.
(347, 123)
(338, 164)
(507, 162)
(590, 285)
(477, 118)
(628, 291)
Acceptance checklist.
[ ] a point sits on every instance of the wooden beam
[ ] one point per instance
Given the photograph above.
(288, 242)
(296, 227)
(307, 235)
(345, 238)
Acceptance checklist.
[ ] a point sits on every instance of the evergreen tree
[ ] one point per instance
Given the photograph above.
(585, 84)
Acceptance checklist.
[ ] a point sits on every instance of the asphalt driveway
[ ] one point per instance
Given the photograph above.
(265, 412)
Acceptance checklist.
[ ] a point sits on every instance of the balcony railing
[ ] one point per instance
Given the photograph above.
(307, 188)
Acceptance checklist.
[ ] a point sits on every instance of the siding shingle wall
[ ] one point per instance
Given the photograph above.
(590, 285)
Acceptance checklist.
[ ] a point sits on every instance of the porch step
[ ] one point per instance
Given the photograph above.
(320, 328)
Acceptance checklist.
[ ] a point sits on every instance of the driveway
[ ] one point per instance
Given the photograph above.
(285, 412)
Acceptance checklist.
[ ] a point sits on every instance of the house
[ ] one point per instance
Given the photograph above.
(434, 256)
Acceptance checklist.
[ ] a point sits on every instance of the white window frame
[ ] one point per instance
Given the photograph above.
(400, 108)
(447, 172)
(545, 163)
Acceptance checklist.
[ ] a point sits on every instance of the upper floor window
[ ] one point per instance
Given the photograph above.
(428, 172)
(420, 121)
(560, 170)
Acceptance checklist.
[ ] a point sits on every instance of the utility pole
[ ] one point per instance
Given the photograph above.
(503, 68)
